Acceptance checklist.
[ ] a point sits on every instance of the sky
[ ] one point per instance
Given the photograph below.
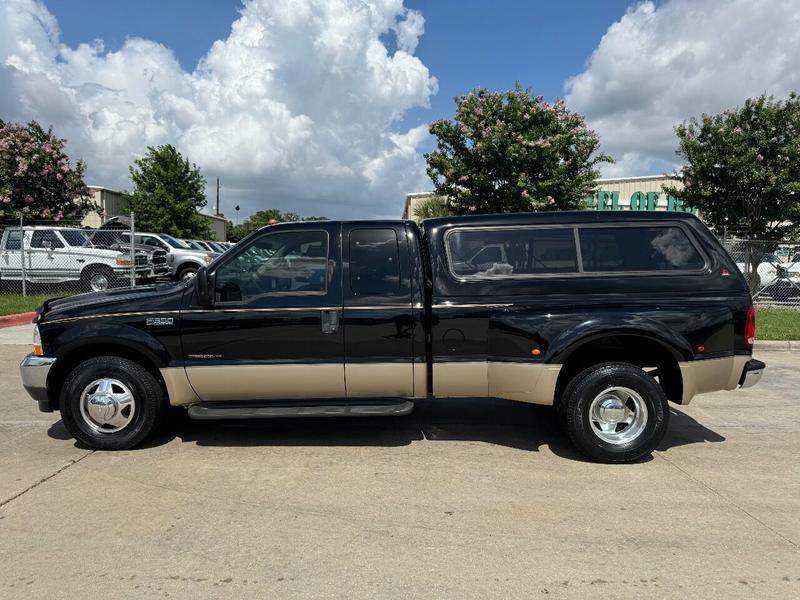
(322, 106)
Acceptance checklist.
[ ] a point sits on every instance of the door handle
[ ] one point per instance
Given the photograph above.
(330, 321)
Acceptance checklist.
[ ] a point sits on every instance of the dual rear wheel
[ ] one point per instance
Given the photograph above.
(614, 412)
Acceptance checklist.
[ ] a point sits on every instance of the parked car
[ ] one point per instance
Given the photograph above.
(777, 278)
(217, 246)
(369, 317)
(183, 261)
(65, 254)
(156, 257)
(197, 245)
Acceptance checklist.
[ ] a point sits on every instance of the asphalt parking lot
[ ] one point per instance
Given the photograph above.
(461, 499)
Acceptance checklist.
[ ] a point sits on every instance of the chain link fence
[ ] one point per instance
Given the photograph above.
(60, 258)
(771, 268)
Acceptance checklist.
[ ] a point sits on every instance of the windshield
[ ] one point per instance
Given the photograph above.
(216, 247)
(175, 243)
(75, 237)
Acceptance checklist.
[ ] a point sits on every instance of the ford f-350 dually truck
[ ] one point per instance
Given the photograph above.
(605, 316)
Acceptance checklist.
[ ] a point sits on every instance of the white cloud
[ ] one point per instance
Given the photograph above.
(297, 108)
(659, 65)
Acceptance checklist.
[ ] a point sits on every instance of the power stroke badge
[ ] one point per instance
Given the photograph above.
(159, 321)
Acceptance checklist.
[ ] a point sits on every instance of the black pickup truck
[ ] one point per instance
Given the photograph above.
(605, 316)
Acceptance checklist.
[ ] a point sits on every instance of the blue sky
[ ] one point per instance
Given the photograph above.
(466, 44)
(323, 106)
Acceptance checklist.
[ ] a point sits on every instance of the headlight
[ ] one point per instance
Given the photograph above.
(37, 341)
(207, 258)
(123, 262)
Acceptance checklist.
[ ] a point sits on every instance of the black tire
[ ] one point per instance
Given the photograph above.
(587, 386)
(186, 272)
(148, 402)
(91, 274)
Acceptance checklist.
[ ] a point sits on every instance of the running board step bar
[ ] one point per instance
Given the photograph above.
(224, 410)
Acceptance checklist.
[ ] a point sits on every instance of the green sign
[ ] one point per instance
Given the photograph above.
(607, 200)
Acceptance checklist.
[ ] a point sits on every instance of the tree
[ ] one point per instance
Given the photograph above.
(742, 168)
(36, 178)
(513, 152)
(264, 217)
(429, 208)
(168, 192)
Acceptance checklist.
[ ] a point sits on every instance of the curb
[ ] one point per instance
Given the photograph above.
(777, 345)
(18, 319)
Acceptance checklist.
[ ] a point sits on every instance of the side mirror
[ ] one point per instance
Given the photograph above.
(204, 285)
(47, 245)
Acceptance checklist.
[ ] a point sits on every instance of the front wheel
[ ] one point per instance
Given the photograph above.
(98, 279)
(615, 412)
(187, 273)
(111, 403)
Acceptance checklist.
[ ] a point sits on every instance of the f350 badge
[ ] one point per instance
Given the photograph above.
(159, 321)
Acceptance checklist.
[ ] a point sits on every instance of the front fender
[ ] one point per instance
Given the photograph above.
(64, 340)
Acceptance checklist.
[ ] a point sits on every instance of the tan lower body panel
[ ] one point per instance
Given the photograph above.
(267, 382)
(379, 380)
(525, 382)
(179, 390)
(460, 379)
(711, 375)
(420, 380)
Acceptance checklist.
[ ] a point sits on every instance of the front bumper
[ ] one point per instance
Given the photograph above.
(34, 370)
(752, 372)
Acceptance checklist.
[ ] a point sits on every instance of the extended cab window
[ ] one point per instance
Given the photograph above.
(625, 249)
(374, 261)
(510, 252)
(45, 239)
(289, 262)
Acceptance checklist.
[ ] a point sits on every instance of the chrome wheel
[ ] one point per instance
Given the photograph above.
(189, 274)
(107, 405)
(618, 415)
(99, 282)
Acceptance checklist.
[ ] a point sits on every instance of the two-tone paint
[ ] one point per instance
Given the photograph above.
(436, 334)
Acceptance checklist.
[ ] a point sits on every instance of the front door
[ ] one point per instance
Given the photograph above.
(274, 331)
(48, 261)
(378, 321)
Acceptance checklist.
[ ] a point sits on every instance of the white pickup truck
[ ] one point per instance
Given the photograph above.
(63, 255)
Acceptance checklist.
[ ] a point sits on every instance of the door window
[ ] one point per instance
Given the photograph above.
(287, 262)
(13, 241)
(374, 262)
(45, 239)
(148, 240)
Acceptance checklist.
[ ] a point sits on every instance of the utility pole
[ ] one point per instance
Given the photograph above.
(217, 213)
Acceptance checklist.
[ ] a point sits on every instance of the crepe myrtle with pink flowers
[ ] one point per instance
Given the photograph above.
(742, 168)
(37, 180)
(513, 152)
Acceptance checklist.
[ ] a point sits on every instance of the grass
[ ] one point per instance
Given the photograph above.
(777, 324)
(771, 323)
(11, 304)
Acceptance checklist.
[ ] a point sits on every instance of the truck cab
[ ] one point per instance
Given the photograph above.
(585, 312)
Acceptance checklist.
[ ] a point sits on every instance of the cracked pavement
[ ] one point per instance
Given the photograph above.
(461, 499)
